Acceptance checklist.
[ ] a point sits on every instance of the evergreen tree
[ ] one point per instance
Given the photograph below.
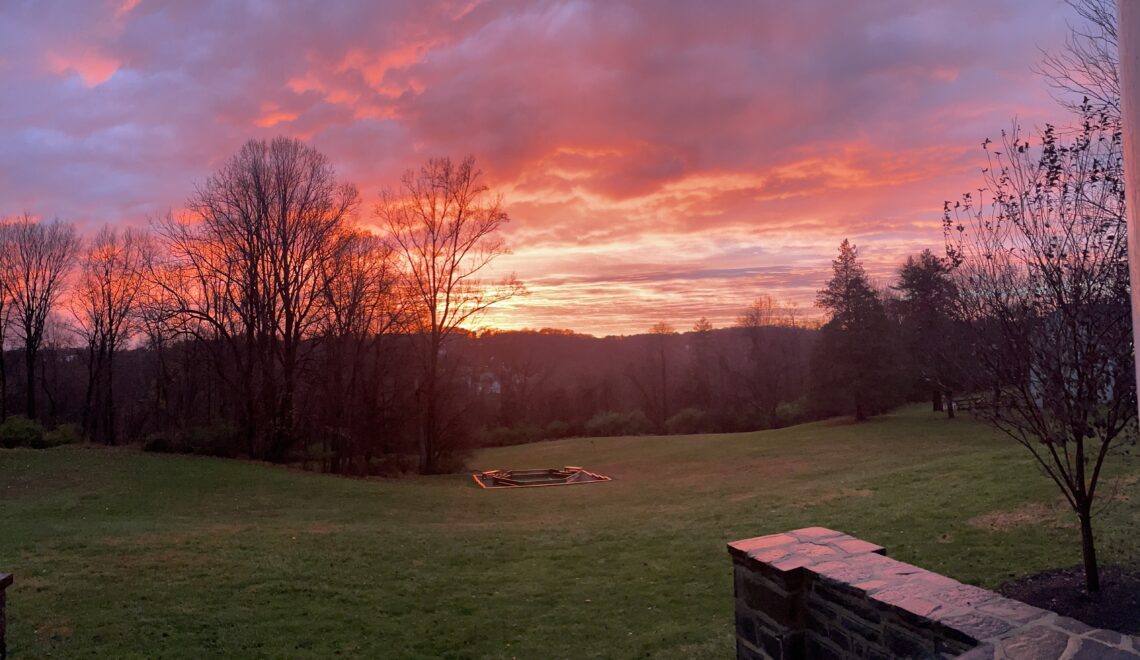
(853, 364)
(930, 334)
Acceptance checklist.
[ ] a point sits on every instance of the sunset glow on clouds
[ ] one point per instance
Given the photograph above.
(659, 160)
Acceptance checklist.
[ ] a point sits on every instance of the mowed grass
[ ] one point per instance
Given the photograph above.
(123, 554)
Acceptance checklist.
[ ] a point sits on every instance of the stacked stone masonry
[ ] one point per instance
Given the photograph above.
(818, 593)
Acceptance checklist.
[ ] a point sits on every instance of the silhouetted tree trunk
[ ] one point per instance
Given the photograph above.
(1088, 553)
(30, 353)
(3, 382)
(105, 306)
(5, 309)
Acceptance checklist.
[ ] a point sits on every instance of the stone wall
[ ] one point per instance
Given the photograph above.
(5, 580)
(817, 593)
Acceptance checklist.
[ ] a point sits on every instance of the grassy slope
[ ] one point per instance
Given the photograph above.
(121, 554)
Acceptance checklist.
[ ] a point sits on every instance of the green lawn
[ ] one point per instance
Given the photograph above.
(123, 554)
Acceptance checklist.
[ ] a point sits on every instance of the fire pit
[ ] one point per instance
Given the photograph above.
(565, 476)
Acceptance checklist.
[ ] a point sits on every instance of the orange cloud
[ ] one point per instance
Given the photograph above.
(272, 115)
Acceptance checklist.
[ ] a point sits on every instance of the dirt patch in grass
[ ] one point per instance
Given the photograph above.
(1029, 514)
(34, 583)
(54, 630)
(1116, 607)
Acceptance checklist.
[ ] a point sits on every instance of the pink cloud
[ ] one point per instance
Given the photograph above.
(661, 160)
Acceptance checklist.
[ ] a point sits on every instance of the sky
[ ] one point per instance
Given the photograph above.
(659, 160)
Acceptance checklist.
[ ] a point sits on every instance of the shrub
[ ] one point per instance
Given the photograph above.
(689, 420)
(157, 442)
(504, 436)
(452, 461)
(19, 431)
(611, 422)
(792, 412)
(220, 439)
(558, 429)
(390, 465)
(64, 434)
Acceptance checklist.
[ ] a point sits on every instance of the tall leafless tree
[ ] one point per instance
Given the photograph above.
(361, 307)
(768, 373)
(444, 223)
(1042, 269)
(109, 285)
(35, 259)
(652, 379)
(245, 272)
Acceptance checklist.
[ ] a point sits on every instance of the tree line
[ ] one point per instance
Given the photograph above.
(261, 320)
(265, 322)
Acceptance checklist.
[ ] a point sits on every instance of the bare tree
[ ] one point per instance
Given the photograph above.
(1042, 267)
(767, 375)
(1087, 66)
(444, 223)
(762, 313)
(153, 308)
(652, 379)
(361, 306)
(5, 322)
(703, 371)
(35, 261)
(765, 311)
(104, 305)
(245, 273)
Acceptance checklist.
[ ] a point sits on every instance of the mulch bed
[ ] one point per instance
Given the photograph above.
(1116, 607)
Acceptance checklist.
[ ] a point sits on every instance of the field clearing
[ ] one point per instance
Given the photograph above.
(123, 554)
